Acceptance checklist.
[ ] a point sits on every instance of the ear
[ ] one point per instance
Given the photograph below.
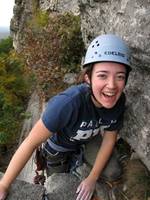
(86, 79)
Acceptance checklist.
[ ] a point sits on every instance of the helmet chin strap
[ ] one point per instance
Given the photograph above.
(89, 82)
(92, 94)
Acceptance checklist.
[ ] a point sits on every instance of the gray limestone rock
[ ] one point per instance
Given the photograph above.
(130, 20)
(62, 186)
(34, 110)
(70, 78)
(60, 6)
(20, 190)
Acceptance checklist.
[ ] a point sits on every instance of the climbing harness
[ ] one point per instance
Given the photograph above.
(40, 166)
(58, 148)
(45, 196)
(76, 160)
(59, 161)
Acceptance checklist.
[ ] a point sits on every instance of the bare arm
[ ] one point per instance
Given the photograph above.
(37, 135)
(87, 186)
(103, 154)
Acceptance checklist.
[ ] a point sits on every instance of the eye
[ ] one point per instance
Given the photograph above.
(102, 76)
(121, 77)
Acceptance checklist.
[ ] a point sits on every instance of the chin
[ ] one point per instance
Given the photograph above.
(108, 105)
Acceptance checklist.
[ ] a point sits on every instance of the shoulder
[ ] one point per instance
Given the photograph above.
(75, 90)
(72, 94)
(63, 107)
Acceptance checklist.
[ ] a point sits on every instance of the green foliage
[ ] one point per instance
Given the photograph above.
(59, 42)
(72, 46)
(5, 45)
(14, 88)
(54, 49)
(39, 20)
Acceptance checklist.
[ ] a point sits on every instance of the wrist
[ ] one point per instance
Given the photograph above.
(3, 185)
(92, 177)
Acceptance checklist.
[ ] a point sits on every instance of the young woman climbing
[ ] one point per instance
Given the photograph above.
(78, 114)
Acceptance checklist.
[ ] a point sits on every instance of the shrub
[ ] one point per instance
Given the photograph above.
(39, 20)
(14, 89)
(5, 45)
(53, 47)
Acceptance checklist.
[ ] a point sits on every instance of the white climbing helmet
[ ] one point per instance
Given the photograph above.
(108, 47)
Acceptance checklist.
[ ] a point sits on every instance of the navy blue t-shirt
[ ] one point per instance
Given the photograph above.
(73, 118)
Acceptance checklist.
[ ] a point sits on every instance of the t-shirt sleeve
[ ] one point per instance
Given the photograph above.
(57, 113)
(117, 115)
(116, 125)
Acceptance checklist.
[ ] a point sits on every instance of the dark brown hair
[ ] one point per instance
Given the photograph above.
(86, 70)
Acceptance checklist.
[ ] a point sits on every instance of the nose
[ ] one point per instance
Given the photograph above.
(111, 83)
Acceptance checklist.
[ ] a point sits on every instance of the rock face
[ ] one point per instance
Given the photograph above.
(34, 109)
(24, 191)
(23, 12)
(130, 20)
(62, 186)
(60, 6)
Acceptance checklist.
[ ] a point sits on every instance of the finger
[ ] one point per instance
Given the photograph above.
(2, 197)
(88, 196)
(81, 194)
(84, 195)
(79, 188)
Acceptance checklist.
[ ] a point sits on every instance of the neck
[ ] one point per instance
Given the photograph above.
(96, 103)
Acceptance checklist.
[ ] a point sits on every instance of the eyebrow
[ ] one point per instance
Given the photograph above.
(104, 71)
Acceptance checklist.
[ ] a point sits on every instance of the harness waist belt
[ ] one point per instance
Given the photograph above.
(58, 147)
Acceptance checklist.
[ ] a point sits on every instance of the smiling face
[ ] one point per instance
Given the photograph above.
(107, 82)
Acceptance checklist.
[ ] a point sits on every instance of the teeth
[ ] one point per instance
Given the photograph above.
(110, 94)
